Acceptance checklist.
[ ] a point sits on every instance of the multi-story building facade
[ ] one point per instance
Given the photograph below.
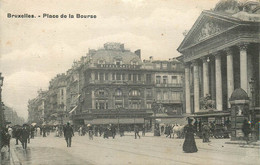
(221, 54)
(11, 117)
(120, 88)
(113, 85)
(37, 108)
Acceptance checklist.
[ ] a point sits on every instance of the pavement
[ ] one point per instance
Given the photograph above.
(128, 150)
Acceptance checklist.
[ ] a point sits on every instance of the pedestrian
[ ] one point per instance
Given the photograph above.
(10, 131)
(24, 136)
(200, 125)
(44, 131)
(189, 145)
(205, 132)
(90, 131)
(246, 130)
(17, 134)
(29, 132)
(136, 129)
(106, 131)
(96, 130)
(113, 131)
(143, 130)
(80, 131)
(32, 132)
(121, 130)
(68, 133)
(38, 131)
(195, 125)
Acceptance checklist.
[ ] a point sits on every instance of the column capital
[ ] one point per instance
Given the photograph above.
(243, 46)
(216, 54)
(195, 62)
(228, 51)
(187, 64)
(205, 59)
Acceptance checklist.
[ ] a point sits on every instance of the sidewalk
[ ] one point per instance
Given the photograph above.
(243, 143)
(13, 157)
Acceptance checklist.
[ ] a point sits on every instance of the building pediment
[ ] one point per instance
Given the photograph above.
(207, 26)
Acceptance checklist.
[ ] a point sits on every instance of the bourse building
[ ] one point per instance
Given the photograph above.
(221, 53)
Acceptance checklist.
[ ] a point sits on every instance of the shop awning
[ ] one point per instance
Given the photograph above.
(211, 115)
(73, 109)
(116, 121)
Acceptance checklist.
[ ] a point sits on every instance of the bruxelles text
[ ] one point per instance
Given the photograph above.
(45, 15)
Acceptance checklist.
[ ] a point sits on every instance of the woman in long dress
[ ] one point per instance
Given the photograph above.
(189, 145)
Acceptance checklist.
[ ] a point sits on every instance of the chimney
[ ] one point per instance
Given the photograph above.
(138, 53)
(151, 58)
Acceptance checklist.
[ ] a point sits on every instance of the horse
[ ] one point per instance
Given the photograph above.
(178, 130)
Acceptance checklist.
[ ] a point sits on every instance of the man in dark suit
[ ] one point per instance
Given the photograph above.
(24, 136)
(68, 133)
(136, 129)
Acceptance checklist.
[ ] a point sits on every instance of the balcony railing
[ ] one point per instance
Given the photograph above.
(169, 101)
(169, 85)
(115, 82)
(122, 66)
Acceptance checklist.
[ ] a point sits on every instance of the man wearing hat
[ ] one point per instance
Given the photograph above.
(24, 136)
(68, 133)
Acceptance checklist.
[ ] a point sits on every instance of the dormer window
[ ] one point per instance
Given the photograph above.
(134, 63)
(101, 62)
(118, 62)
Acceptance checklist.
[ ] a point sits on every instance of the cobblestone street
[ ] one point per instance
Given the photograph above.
(127, 150)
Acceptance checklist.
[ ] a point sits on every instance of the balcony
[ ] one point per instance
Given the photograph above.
(169, 101)
(119, 82)
(169, 85)
(122, 66)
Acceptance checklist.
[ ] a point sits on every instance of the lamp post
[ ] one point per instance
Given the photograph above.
(154, 109)
(118, 109)
(252, 89)
(1, 106)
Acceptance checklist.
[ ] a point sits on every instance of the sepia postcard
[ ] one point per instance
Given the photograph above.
(129, 82)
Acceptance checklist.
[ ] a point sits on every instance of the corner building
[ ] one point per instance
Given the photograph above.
(119, 88)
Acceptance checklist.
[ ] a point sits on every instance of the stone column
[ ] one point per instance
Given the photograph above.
(219, 103)
(243, 67)
(230, 74)
(205, 76)
(187, 88)
(196, 86)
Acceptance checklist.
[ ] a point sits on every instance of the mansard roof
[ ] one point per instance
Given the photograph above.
(111, 53)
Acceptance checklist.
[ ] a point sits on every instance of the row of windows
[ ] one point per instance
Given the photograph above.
(168, 95)
(119, 92)
(164, 80)
(133, 104)
(136, 77)
(122, 76)
(118, 62)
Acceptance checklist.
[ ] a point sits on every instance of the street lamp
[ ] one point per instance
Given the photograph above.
(154, 109)
(252, 89)
(1, 109)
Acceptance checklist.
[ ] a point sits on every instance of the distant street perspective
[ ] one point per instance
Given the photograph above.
(127, 94)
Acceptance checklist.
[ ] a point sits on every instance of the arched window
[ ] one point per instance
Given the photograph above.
(134, 92)
(118, 92)
(101, 93)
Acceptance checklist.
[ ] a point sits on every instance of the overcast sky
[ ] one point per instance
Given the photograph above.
(32, 51)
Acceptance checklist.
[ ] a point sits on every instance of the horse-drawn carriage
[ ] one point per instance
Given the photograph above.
(220, 131)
